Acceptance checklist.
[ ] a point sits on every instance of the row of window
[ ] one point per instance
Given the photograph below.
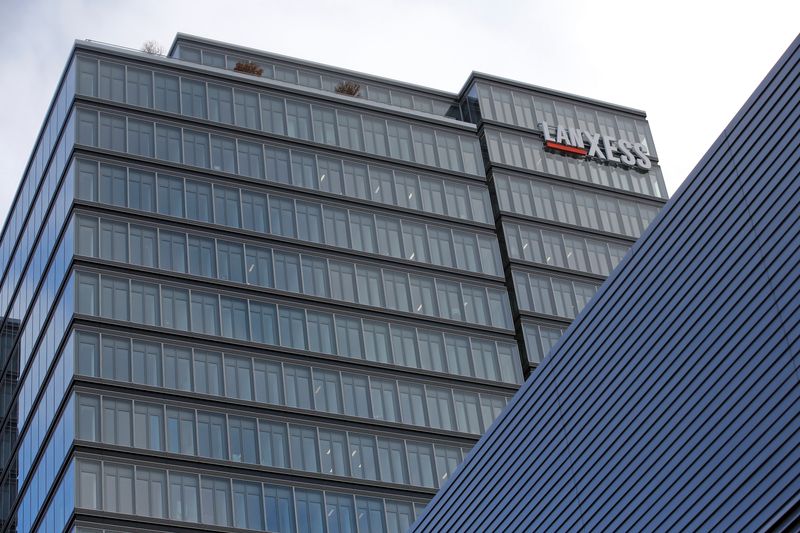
(525, 110)
(347, 335)
(353, 130)
(535, 198)
(527, 152)
(279, 383)
(308, 77)
(301, 168)
(550, 295)
(207, 499)
(539, 340)
(343, 281)
(564, 250)
(242, 439)
(285, 216)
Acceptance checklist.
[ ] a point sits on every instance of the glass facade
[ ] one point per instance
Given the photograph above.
(258, 303)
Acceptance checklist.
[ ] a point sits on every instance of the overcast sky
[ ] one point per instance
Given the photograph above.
(689, 64)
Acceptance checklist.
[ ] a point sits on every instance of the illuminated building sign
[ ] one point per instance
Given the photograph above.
(583, 143)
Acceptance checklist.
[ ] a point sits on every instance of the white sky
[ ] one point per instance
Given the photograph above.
(689, 64)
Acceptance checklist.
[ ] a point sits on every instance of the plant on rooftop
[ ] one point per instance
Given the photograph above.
(248, 67)
(350, 88)
(152, 47)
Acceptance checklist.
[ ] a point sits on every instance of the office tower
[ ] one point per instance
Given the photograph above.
(259, 293)
(672, 403)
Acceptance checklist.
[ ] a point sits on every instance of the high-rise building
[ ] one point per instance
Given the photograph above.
(252, 292)
(673, 402)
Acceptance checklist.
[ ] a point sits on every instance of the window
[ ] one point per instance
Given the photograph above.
(449, 151)
(230, 259)
(112, 81)
(226, 206)
(238, 377)
(208, 372)
(363, 456)
(371, 516)
(363, 232)
(268, 377)
(177, 368)
(396, 286)
(274, 444)
(220, 104)
(147, 362)
(115, 362)
(88, 356)
(385, 403)
(223, 154)
(404, 346)
(298, 120)
(350, 134)
(305, 455)
(343, 282)
(247, 510)
(113, 240)
(193, 98)
(242, 433)
(89, 485)
(280, 509)
(287, 271)
(370, 290)
(234, 318)
(148, 426)
(117, 421)
(392, 456)
(183, 497)
(282, 219)
(420, 464)
(441, 241)
(356, 395)
(195, 148)
(400, 141)
(251, 159)
(407, 186)
(167, 97)
(355, 180)
(172, 251)
(431, 350)
(423, 296)
(113, 186)
(424, 145)
(201, 257)
(336, 227)
(447, 459)
(315, 276)
(320, 332)
(246, 108)
(298, 386)
(348, 335)
(327, 391)
(333, 450)
(376, 341)
(140, 137)
(118, 488)
(88, 424)
(467, 412)
(215, 498)
(309, 221)
(168, 144)
(412, 404)
(340, 512)
(254, 212)
(440, 408)
(310, 511)
(142, 186)
(375, 137)
(259, 266)
(212, 438)
(180, 431)
(264, 323)
(205, 313)
(324, 125)
(272, 111)
(388, 233)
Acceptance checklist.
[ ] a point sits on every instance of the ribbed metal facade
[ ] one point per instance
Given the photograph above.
(673, 402)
